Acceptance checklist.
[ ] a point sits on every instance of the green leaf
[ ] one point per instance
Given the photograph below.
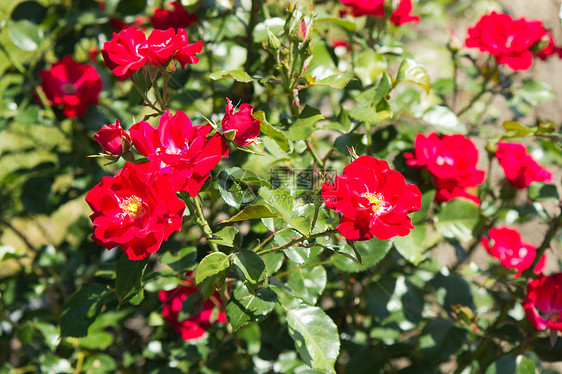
(457, 219)
(8, 252)
(372, 252)
(227, 236)
(411, 246)
(535, 91)
(337, 81)
(540, 191)
(250, 269)
(273, 133)
(273, 262)
(444, 120)
(100, 363)
(281, 200)
(308, 283)
(299, 255)
(25, 35)
(410, 71)
(372, 115)
(427, 200)
(525, 366)
(211, 272)
(237, 75)
(303, 127)
(372, 104)
(316, 337)
(181, 260)
(82, 309)
(235, 193)
(245, 307)
(128, 276)
(252, 212)
(348, 25)
(517, 130)
(369, 65)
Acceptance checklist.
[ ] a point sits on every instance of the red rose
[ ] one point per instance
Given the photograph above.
(134, 210)
(180, 150)
(246, 126)
(402, 14)
(186, 52)
(110, 137)
(451, 160)
(543, 305)
(509, 40)
(365, 7)
(514, 253)
(124, 54)
(519, 167)
(71, 85)
(212, 310)
(178, 18)
(161, 45)
(373, 199)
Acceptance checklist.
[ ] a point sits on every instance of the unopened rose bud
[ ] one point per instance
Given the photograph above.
(113, 139)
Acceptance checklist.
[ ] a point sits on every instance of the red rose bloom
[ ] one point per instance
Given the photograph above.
(123, 54)
(451, 160)
(373, 199)
(111, 137)
(509, 40)
(402, 14)
(543, 305)
(246, 126)
(161, 45)
(514, 253)
(178, 18)
(71, 85)
(519, 167)
(134, 210)
(194, 327)
(179, 150)
(365, 7)
(186, 52)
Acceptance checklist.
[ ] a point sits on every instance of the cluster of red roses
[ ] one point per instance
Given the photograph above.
(512, 42)
(130, 49)
(452, 161)
(210, 311)
(138, 208)
(400, 15)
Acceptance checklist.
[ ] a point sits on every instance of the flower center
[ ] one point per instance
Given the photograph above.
(378, 204)
(68, 88)
(443, 160)
(132, 206)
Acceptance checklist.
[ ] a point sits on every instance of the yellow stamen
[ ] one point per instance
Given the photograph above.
(132, 206)
(376, 200)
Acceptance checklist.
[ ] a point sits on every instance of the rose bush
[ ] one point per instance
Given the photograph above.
(279, 187)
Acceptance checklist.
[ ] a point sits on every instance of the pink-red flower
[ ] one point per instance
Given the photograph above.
(550, 49)
(373, 200)
(400, 15)
(71, 85)
(403, 14)
(365, 7)
(246, 126)
(508, 40)
(178, 18)
(161, 45)
(134, 210)
(506, 245)
(186, 53)
(519, 167)
(124, 53)
(211, 311)
(130, 50)
(179, 150)
(451, 160)
(111, 137)
(543, 305)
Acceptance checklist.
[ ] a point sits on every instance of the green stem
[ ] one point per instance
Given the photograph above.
(297, 240)
(143, 94)
(194, 206)
(314, 154)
